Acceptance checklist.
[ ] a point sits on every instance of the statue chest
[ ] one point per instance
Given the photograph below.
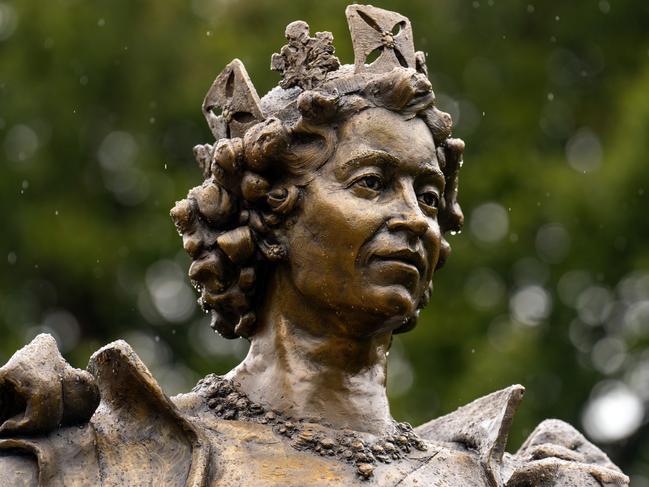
(251, 455)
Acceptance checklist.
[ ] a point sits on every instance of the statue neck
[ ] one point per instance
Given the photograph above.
(301, 364)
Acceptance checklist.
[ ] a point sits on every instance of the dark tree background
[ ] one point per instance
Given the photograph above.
(548, 285)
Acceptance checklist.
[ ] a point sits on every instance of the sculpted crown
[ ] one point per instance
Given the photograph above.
(381, 37)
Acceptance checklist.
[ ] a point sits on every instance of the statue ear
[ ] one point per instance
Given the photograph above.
(272, 241)
(282, 200)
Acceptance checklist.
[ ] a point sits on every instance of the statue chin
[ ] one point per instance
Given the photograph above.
(315, 233)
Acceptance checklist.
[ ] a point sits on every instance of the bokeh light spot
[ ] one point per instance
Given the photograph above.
(584, 151)
(613, 413)
(530, 305)
(489, 222)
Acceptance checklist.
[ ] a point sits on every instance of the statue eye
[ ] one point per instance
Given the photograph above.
(429, 198)
(372, 182)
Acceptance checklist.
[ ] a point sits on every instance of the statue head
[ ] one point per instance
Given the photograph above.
(343, 179)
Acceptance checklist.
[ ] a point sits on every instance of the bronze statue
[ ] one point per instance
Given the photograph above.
(315, 235)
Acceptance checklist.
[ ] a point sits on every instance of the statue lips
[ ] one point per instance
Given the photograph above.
(402, 260)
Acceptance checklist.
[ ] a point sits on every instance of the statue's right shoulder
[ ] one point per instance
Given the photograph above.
(40, 391)
(45, 409)
(126, 432)
(142, 438)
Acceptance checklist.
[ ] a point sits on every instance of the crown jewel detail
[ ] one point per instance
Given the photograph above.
(305, 60)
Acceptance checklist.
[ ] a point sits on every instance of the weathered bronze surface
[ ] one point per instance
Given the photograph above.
(315, 235)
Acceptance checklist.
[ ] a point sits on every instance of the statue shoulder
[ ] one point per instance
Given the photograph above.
(131, 434)
(555, 454)
(40, 391)
(481, 426)
(561, 455)
(140, 433)
(45, 408)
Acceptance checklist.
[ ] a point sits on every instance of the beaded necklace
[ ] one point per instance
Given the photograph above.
(227, 401)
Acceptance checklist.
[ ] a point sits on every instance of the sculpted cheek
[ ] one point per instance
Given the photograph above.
(433, 243)
(343, 216)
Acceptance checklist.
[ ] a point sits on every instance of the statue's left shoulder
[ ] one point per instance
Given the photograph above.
(556, 454)
(480, 427)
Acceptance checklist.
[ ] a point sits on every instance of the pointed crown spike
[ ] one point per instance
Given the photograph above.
(388, 33)
(235, 96)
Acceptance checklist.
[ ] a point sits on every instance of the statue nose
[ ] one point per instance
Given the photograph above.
(412, 223)
(408, 216)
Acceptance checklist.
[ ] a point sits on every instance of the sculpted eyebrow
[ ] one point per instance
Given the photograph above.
(367, 158)
(435, 174)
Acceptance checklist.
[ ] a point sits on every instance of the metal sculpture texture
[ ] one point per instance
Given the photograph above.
(315, 235)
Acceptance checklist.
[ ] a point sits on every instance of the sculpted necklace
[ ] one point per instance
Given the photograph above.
(227, 402)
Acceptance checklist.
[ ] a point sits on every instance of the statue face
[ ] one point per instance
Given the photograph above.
(366, 239)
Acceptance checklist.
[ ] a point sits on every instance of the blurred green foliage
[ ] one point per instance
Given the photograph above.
(548, 286)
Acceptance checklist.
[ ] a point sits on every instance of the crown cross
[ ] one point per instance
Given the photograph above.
(233, 94)
(387, 33)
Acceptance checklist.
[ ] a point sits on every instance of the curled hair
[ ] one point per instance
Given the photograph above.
(253, 183)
